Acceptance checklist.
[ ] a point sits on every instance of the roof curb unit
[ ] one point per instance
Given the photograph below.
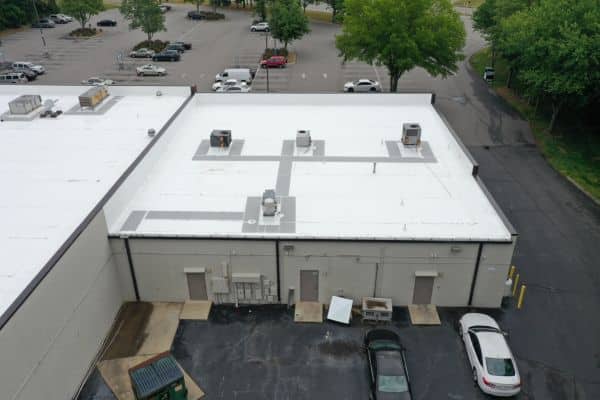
(25, 104)
(93, 96)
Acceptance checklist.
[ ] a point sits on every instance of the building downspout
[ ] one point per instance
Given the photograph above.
(131, 269)
(277, 271)
(475, 272)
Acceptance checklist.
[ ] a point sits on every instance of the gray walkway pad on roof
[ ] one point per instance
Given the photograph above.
(192, 215)
(133, 220)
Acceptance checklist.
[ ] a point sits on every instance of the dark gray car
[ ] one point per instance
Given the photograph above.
(387, 366)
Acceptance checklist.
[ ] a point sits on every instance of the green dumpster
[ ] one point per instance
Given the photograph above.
(158, 378)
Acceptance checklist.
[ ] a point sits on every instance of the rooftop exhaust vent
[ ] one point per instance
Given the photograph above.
(25, 104)
(269, 203)
(303, 138)
(94, 96)
(411, 134)
(220, 138)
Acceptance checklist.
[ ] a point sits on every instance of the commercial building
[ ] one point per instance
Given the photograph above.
(242, 199)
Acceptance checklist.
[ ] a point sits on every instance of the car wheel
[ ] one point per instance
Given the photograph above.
(267, 30)
(252, 30)
(350, 90)
(373, 89)
(474, 376)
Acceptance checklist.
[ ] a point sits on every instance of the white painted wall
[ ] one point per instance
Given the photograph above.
(49, 344)
(160, 264)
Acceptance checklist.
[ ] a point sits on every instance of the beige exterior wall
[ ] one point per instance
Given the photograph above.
(493, 271)
(357, 270)
(160, 267)
(50, 342)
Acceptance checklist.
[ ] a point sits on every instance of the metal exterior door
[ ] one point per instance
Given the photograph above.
(197, 286)
(423, 290)
(309, 285)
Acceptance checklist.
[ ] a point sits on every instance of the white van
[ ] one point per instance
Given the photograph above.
(241, 74)
(13, 77)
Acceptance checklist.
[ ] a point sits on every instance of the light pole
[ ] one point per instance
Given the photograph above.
(37, 18)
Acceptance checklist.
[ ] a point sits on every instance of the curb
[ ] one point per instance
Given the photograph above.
(582, 190)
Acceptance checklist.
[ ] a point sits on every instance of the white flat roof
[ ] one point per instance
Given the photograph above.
(54, 171)
(330, 191)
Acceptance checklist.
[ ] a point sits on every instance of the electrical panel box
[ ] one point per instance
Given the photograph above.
(220, 138)
(303, 138)
(220, 285)
(411, 134)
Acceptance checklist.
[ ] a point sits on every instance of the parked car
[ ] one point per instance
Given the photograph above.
(68, 18)
(57, 19)
(167, 55)
(241, 74)
(362, 85)
(43, 23)
(260, 27)
(387, 365)
(176, 47)
(38, 69)
(196, 15)
(163, 8)
(106, 22)
(150, 70)
(186, 45)
(229, 82)
(492, 363)
(96, 81)
(234, 89)
(274, 62)
(13, 77)
(29, 74)
(142, 53)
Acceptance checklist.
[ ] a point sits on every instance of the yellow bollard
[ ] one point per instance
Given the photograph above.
(521, 295)
(511, 272)
(515, 285)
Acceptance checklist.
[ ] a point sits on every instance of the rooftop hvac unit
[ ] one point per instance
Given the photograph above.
(93, 96)
(303, 138)
(411, 134)
(25, 104)
(220, 138)
(269, 203)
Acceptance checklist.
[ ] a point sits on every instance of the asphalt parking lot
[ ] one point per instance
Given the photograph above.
(243, 355)
(216, 45)
(260, 353)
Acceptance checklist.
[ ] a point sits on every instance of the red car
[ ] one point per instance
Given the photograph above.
(274, 62)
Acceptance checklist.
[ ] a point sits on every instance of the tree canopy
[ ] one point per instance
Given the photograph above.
(287, 21)
(82, 10)
(555, 46)
(144, 14)
(403, 34)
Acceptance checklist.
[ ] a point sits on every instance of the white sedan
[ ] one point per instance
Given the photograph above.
(150, 70)
(234, 89)
(492, 363)
(229, 82)
(362, 85)
(95, 81)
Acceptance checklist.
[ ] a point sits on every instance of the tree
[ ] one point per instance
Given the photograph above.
(337, 9)
(261, 9)
(82, 10)
(144, 14)
(560, 51)
(196, 2)
(287, 21)
(402, 34)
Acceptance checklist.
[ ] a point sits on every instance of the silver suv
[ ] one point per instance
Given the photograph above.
(20, 65)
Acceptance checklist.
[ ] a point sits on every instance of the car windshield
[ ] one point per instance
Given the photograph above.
(500, 366)
(392, 384)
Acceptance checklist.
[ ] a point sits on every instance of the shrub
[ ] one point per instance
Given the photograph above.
(85, 32)
(212, 16)
(156, 45)
(274, 52)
